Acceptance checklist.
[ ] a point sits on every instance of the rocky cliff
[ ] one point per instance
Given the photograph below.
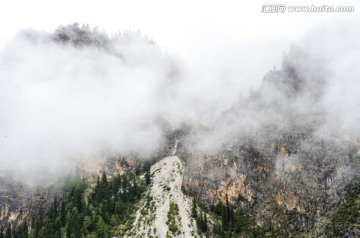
(279, 167)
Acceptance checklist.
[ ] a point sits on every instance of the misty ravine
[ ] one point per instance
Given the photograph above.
(110, 136)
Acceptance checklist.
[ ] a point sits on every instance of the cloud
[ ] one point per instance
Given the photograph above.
(79, 92)
(313, 93)
(60, 100)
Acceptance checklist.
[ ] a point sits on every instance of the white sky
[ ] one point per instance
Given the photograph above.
(172, 23)
(192, 29)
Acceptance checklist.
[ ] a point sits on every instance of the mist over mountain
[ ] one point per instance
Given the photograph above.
(280, 160)
(79, 92)
(284, 156)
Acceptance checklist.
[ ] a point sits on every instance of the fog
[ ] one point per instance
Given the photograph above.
(59, 102)
(313, 92)
(67, 97)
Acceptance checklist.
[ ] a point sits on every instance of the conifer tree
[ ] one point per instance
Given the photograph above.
(62, 213)
(8, 231)
(193, 209)
(147, 177)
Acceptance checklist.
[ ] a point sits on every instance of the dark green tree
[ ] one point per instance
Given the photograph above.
(8, 231)
(62, 213)
(194, 208)
(148, 177)
(23, 230)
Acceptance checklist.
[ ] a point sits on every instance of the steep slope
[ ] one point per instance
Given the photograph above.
(166, 210)
(273, 154)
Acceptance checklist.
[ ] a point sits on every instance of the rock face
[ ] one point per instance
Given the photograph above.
(19, 202)
(272, 157)
(286, 192)
(11, 202)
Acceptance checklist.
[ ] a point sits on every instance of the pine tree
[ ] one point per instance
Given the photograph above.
(148, 177)
(135, 189)
(32, 221)
(56, 205)
(75, 219)
(96, 192)
(224, 221)
(193, 209)
(232, 219)
(25, 230)
(104, 181)
(8, 231)
(13, 233)
(62, 213)
(101, 228)
(204, 226)
(116, 184)
(78, 197)
(205, 222)
(217, 229)
(227, 209)
(226, 216)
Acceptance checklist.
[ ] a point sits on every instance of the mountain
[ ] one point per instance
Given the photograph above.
(274, 159)
(274, 164)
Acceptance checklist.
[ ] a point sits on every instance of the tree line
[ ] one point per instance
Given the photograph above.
(85, 210)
